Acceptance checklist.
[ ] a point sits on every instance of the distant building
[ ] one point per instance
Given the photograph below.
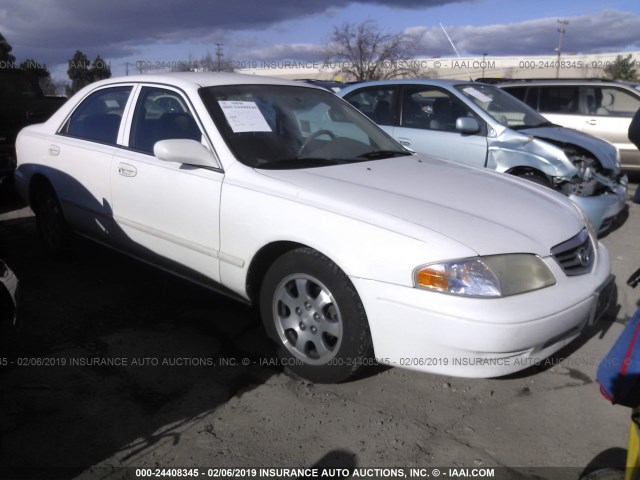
(539, 66)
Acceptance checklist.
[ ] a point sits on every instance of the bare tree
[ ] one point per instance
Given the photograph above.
(206, 64)
(364, 52)
(220, 64)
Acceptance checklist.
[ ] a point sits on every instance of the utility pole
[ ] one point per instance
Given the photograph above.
(561, 30)
(219, 55)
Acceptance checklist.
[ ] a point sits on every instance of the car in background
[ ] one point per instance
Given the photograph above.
(282, 195)
(599, 107)
(331, 85)
(480, 125)
(23, 103)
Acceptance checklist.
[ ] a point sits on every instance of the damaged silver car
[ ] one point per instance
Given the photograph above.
(481, 125)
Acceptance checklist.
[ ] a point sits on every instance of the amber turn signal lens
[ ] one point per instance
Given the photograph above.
(431, 278)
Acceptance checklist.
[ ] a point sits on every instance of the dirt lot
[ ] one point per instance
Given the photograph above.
(196, 384)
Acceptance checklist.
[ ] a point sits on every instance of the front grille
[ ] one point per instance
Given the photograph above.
(576, 255)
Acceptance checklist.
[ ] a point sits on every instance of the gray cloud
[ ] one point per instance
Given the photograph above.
(609, 30)
(51, 30)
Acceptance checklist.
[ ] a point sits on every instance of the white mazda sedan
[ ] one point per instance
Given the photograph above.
(283, 195)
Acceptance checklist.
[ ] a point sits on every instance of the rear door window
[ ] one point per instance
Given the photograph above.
(377, 103)
(559, 99)
(98, 117)
(519, 92)
(610, 101)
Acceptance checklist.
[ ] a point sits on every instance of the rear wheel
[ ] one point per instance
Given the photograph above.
(312, 311)
(54, 232)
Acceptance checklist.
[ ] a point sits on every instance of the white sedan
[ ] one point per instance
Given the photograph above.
(356, 250)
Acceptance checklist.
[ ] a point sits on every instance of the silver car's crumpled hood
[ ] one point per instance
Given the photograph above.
(604, 151)
(487, 211)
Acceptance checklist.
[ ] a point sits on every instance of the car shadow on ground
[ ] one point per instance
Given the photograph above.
(113, 356)
(340, 462)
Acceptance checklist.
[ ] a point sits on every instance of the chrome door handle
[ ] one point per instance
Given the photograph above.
(127, 170)
(591, 122)
(404, 141)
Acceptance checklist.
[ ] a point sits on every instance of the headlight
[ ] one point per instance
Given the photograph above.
(491, 276)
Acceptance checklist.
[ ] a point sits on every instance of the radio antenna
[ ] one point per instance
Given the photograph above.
(452, 45)
(448, 38)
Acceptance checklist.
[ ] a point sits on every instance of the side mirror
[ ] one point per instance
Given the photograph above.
(467, 125)
(188, 152)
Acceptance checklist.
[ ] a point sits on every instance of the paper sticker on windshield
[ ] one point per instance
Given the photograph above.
(244, 116)
(478, 94)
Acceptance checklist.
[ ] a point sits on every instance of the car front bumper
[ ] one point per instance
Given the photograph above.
(471, 337)
(602, 209)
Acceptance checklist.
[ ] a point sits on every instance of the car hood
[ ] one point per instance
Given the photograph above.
(602, 150)
(486, 211)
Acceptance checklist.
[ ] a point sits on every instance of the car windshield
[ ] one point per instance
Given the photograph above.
(503, 107)
(280, 126)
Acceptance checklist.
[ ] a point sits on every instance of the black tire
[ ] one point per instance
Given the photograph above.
(534, 177)
(322, 334)
(54, 232)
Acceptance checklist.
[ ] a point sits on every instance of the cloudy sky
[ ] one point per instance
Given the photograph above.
(157, 32)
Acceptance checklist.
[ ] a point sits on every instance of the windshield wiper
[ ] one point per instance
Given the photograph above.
(300, 162)
(308, 162)
(376, 154)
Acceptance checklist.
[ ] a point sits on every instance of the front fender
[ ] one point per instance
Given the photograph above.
(536, 154)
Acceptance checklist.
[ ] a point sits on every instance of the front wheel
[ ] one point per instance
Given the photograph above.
(534, 177)
(312, 311)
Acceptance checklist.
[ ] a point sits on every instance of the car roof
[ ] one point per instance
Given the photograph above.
(435, 82)
(558, 81)
(188, 80)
